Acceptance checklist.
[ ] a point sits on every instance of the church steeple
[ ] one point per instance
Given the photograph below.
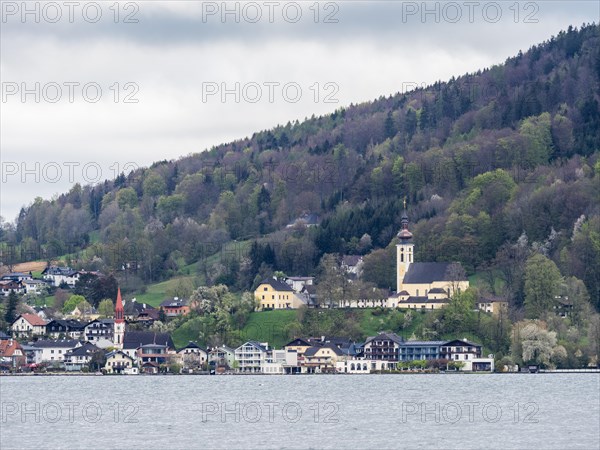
(404, 250)
(119, 326)
(119, 307)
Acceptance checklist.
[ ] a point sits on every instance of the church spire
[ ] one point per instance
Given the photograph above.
(119, 308)
(405, 235)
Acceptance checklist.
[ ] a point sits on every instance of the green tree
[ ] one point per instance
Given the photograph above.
(127, 198)
(106, 308)
(74, 301)
(11, 307)
(331, 279)
(542, 285)
(154, 185)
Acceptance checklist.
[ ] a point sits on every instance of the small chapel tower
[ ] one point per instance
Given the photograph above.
(119, 322)
(404, 251)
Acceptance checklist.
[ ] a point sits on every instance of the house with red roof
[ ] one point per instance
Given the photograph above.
(12, 356)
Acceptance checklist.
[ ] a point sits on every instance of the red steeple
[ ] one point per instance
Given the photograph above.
(119, 308)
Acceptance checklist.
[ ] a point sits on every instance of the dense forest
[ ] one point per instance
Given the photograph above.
(495, 165)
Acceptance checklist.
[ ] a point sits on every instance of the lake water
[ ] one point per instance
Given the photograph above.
(544, 411)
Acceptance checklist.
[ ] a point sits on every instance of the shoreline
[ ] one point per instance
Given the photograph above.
(95, 374)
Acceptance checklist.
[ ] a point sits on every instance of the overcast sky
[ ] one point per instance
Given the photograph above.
(89, 89)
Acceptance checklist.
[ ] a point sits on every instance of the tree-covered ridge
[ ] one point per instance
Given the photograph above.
(484, 159)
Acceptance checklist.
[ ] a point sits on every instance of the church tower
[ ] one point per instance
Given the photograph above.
(404, 251)
(119, 322)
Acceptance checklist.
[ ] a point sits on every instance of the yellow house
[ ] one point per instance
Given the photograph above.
(119, 362)
(298, 345)
(493, 305)
(423, 285)
(274, 294)
(322, 358)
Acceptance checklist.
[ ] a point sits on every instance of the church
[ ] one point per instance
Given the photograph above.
(423, 285)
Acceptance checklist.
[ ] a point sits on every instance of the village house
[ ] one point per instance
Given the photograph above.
(59, 275)
(274, 294)
(251, 356)
(34, 287)
(12, 356)
(299, 283)
(33, 354)
(493, 305)
(221, 358)
(352, 265)
(363, 366)
(100, 332)
(151, 357)
(321, 358)
(175, 307)
(54, 351)
(133, 340)
(65, 328)
(132, 309)
(384, 346)
(89, 313)
(28, 325)
(193, 357)
(79, 357)
(8, 286)
(16, 276)
(118, 362)
(281, 362)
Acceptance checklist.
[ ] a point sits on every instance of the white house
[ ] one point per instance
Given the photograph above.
(57, 275)
(193, 356)
(100, 332)
(363, 366)
(120, 362)
(298, 283)
(27, 325)
(280, 362)
(33, 287)
(55, 351)
(79, 357)
(251, 356)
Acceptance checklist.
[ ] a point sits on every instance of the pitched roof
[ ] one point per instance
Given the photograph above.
(8, 347)
(33, 319)
(428, 272)
(461, 342)
(298, 342)
(437, 291)
(64, 271)
(277, 285)
(134, 307)
(311, 351)
(68, 324)
(425, 300)
(84, 350)
(63, 343)
(256, 344)
(192, 344)
(174, 302)
(134, 339)
(115, 352)
(385, 336)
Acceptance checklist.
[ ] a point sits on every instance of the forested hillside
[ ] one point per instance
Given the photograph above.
(495, 165)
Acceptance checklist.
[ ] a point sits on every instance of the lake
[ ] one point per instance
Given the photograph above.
(451, 411)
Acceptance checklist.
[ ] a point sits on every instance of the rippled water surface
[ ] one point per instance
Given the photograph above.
(543, 411)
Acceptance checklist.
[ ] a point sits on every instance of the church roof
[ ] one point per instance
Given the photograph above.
(134, 339)
(428, 272)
